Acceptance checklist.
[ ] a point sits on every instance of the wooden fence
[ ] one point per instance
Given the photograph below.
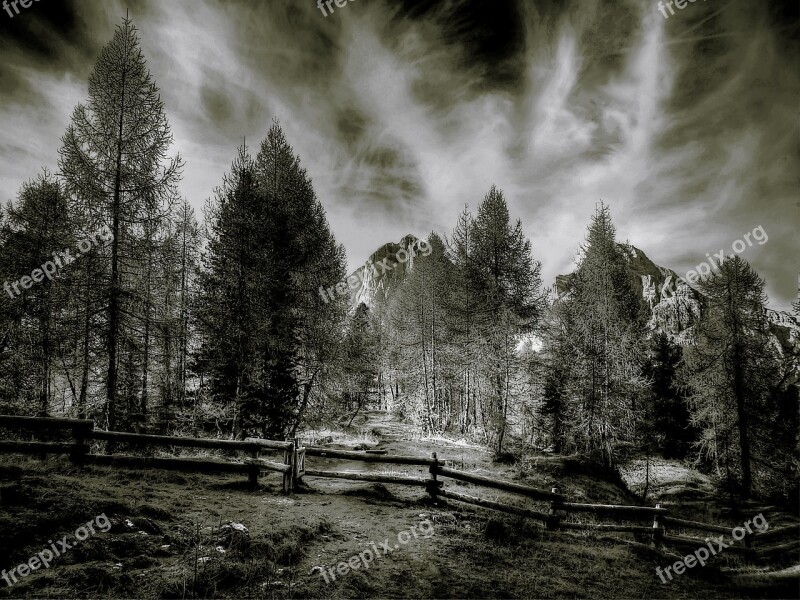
(552, 508)
(83, 431)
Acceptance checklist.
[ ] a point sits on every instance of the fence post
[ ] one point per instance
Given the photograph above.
(658, 531)
(299, 464)
(254, 470)
(553, 516)
(749, 552)
(78, 454)
(289, 459)
(433, 484)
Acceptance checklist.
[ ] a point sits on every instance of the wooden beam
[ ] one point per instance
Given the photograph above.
(169, 440)
(376, 478)
(14, 447)
(686, 542)
(507, 508)
(44, 423)
(616, 509)
(363, 456)
(780, 549)
(269, 444)
(506, 486)
(269, 465)
(779, 532)
(695, 525)
(193, 465)
(611, 528)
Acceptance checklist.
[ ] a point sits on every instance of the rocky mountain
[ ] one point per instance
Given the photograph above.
(384, 271)
(674, 306)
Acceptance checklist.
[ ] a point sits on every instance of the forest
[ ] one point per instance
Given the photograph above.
(213, 324)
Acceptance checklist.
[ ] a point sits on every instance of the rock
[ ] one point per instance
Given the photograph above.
(231, 534)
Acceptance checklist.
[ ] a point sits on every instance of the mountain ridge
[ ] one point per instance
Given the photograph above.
(674, 306)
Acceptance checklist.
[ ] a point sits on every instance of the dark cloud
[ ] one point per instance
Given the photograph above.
(404, 111)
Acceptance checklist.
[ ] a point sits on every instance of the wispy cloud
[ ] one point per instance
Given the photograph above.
(403, 113)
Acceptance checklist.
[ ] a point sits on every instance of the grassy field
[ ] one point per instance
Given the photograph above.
(194, 536)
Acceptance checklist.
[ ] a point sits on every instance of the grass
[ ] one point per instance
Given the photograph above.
(166, 541)
(176, 536)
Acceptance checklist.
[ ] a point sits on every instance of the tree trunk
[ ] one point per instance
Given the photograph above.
(113, 305)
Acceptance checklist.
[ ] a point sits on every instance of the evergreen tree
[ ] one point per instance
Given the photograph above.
(304, 331)
(462, 320)
(559, 351)
(230, 306)
(730, 370)
(361, 359)
(507, 283)
(114, 160)
(668, 424)
(417, 314)
(36, 232)
(269, 339)
(607, 325)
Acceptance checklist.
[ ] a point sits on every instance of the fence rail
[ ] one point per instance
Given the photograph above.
(293, 469)
(613, 509)
(497, 484)
(44, 423)
(83, 430)
(372, 477)
(369, 457)
(694, 525)
(166, 440)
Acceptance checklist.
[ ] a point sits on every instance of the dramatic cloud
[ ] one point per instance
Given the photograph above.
(405, 112)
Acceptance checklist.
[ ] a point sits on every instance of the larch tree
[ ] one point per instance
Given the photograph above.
(607, 324)
(730, 371)
(418, 330)
(114, 158)
(462, 319)
(507, 283)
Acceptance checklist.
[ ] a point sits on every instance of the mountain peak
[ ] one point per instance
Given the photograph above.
(383, 272)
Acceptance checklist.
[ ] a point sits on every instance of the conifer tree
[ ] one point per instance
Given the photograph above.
(607, 325)
(114, 162)
(230, 307)
(730, 370)
(462, 319)
(506, 281)
(269, 339)
(37, 231)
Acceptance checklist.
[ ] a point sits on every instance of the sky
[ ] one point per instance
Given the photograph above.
(403, 112)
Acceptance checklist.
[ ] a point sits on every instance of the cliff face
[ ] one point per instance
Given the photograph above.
(785, 329)
(675, 307)
(384, 272)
